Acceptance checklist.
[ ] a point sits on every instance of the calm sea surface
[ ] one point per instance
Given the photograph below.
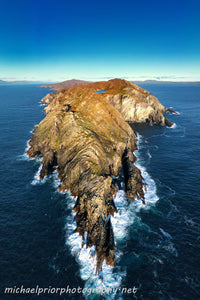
(158, 245)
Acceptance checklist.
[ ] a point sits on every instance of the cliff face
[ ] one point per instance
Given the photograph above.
(88, 141)
(134, 103)
(137, 105)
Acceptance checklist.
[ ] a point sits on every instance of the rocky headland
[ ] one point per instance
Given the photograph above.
(86, 137)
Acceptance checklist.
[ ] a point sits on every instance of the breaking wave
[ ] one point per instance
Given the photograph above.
(36, 180)
(24, 156)
(121, 222)
(173, 126)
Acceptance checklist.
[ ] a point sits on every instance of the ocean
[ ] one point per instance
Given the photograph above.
(158, 245)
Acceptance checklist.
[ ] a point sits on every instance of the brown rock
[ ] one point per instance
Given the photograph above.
(85, 135)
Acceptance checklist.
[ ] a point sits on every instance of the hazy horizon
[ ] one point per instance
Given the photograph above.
(59, 40)
(156, 79)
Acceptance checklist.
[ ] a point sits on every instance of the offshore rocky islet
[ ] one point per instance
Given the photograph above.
(85, 135)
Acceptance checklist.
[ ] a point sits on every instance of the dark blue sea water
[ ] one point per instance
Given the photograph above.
(158, 245)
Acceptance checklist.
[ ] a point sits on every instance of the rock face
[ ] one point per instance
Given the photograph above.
(137, 105)
(86, 138)
(134, 103)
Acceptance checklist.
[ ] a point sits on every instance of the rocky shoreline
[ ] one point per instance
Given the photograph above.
(85, 135)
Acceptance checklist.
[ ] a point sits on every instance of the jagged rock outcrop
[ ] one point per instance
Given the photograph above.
(86, 138)
(134, 182)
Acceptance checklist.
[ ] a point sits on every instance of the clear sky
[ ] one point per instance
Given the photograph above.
(55, 40)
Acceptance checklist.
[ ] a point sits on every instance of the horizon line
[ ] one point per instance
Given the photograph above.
(50, 81)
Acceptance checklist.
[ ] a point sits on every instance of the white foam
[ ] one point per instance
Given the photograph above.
(86, 257)
(150, 192)
(149, 154)
(27, 146)
(121, 223)
(167, 244)
(173, 126)
(37, 179)
(56, 180)
(25, 156)
(179, 130)
(123, 218)
(171, 249)
(54, 175)
(175, 112)
(166, 234)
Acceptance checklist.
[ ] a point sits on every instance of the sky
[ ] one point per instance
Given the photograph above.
(56, 40)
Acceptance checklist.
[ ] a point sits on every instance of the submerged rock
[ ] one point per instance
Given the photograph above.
(84, 135)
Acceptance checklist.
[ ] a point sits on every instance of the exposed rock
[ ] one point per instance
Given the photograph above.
(134, 181)
(134, 103)
(168, 123)
(171, 111)
(137, 105)
(88, 140)
(48, 99)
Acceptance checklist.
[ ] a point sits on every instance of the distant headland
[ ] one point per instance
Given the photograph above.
(166, 82)
(20, 82)
(65, 84)
(73, 82)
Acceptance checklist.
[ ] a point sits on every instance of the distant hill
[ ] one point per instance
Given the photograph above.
(74, 82)
(65, 84)
(166, 82)
(3, 82)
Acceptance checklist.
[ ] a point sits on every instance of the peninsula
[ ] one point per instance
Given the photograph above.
(86, 136)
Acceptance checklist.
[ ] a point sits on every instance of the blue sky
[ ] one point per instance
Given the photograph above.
(54, 40)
